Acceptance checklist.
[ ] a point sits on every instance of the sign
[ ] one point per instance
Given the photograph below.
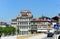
(56, 26)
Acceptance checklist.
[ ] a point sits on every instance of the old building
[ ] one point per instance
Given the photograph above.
(45, 23)
(34, 25)
(3, 24)
(14, 22)
(27, 24)
(41, 24)
(23, 22)
(57, 18)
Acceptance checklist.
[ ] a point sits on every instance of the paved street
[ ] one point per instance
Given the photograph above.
(48, 38)
(43, 36)
(34, 37)
(37, 37)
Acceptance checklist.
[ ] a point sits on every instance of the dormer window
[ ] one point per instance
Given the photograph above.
(24, 17)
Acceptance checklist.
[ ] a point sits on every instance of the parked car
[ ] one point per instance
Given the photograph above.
(49, 34)
(57, 35)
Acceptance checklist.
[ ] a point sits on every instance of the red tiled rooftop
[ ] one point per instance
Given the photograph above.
(3, 23)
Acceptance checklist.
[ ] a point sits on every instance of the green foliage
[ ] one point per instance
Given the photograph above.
(7, 30)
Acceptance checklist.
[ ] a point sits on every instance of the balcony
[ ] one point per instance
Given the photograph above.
(23, 20)
(24, 29)
(14, 22)
(23, 25)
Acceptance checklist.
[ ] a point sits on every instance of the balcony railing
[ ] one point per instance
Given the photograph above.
(23, 25)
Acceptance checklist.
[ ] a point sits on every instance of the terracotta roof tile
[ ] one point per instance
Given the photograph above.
(44, 17)
(35, 19)
(3, 23)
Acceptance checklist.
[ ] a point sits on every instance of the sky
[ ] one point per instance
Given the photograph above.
(10, 9)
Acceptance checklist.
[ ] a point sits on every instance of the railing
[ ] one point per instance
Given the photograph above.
(24, 25)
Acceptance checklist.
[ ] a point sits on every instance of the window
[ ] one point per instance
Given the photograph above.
(23, 27)
(24, 17)
(34, 27)
(44, 19)
(43, 26)
(23, 32)
(23, 23)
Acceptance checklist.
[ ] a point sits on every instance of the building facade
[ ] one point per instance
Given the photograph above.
(41, 24)
(27, 24)
(3, 24)
(14, 22)
(23, 22)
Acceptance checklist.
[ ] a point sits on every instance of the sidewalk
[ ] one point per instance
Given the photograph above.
(37, 37)
(33, 36)
(29, 35)
(9, 37)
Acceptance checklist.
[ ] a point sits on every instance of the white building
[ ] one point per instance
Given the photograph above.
(3, 24)
(23, 22)
(27, 24)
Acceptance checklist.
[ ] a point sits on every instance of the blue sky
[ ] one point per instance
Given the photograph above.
(11, 8)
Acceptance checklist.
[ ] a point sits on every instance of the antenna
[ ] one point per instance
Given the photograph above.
(42, 13)
(1, 18)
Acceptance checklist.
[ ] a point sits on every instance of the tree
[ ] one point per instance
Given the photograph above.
(7, 30)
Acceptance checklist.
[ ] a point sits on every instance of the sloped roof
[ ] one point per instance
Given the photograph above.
(3, 23)
(44, 17)
(52, 20)
(39, 20)
(55, 18)
(25, 13)
(36, 20)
